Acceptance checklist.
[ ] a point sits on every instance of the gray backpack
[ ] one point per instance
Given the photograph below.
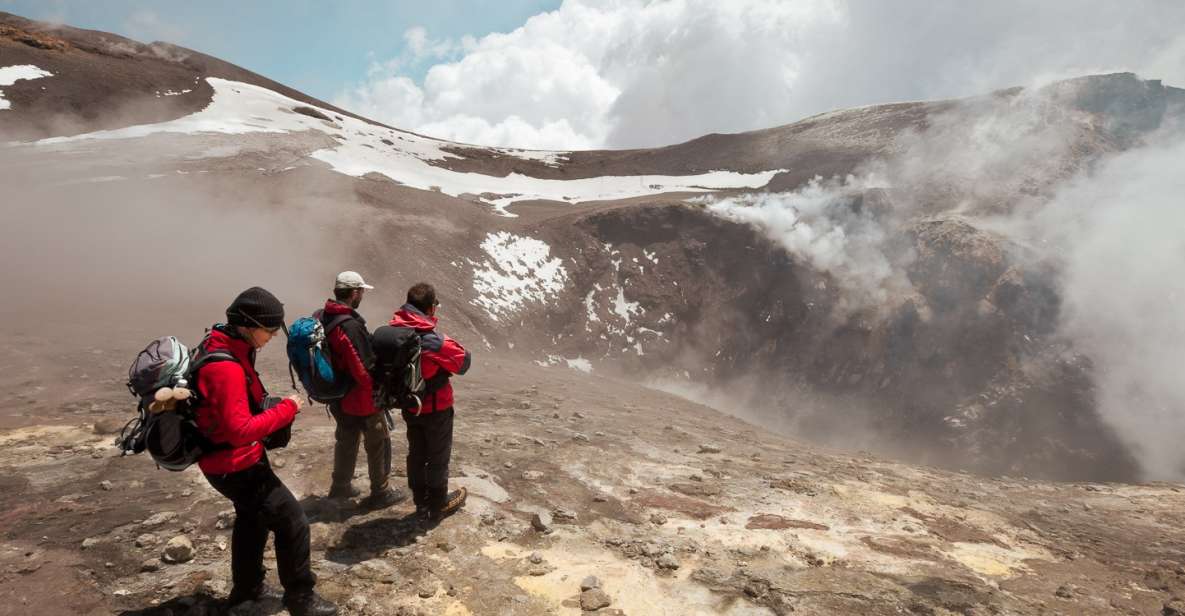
(171, 436)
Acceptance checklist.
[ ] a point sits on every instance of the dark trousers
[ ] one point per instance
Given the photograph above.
(262, 504)
(375, 434)
(429, 447)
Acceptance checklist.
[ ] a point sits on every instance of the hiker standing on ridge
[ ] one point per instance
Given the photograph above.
(430, 427)
(356, 415)
(233, 411)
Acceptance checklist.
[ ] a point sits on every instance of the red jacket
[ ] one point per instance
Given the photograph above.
(349, 348)
(224, 414)
(437, 352)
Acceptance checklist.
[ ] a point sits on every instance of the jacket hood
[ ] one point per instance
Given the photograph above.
(410, 316)
(334, 307)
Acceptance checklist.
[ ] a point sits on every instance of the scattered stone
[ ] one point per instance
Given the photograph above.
(159, 519)
(226, 519)
(445, 546)
(590, 583)
(108, 426)
(583, 438)
(426, 592)
(541, 522)
(1175, 607)
(658, 518)
(146, 540)
(535, 558)
(277, 462)
(213, 588)
(150, 565)
(578, 415)
(707, 448)
(106, 485)
(90, 542)
(698, 478)
(594, 599)
(1065, 591)
(538, 570)
(179, 549)
(357, 603)
(563, 515)
(375, 570)
(600, 499)
(525, 405)
(756, 588)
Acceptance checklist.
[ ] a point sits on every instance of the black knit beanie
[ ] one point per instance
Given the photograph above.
(255, 307)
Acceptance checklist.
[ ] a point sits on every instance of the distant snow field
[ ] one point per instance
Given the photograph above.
(407, 158)
(520, 270)
(12, 74)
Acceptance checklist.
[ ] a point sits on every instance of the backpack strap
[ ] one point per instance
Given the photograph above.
(203, 358)
(337, 320)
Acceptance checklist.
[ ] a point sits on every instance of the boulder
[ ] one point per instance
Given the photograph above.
(179, 549)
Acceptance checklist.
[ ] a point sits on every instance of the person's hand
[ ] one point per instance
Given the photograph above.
(297, 400)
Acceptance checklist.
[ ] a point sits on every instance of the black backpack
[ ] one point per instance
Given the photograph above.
(398, 382)
(171, 437)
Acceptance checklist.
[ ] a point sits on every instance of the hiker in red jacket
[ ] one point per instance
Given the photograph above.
(235, 413)
(356, 415)
(430, 427)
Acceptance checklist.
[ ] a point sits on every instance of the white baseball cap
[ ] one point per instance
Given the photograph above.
(350, 280)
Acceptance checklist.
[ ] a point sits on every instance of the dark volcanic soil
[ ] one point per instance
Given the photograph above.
(678, 510)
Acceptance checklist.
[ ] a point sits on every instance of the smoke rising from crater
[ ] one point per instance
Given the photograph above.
(1085, 183)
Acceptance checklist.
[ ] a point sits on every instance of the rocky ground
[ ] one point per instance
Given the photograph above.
(586, 495)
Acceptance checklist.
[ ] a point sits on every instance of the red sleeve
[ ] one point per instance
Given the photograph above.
(347, 357)
(452, 357)
(225, 390)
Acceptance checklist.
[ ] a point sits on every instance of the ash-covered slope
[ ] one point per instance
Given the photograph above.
(854, 276)
(676, 510)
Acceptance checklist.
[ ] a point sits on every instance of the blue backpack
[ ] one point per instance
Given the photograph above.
(309, 358)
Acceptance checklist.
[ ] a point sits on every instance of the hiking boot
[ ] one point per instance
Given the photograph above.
(344, 491)
(310, 604)
(261, 592)
(452, 503)
(385, 498)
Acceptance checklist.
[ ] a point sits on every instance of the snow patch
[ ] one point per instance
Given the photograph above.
(520, 270)
(12, 74)
(576, 363)
(238, 108)
(590, 307)
(623, 308)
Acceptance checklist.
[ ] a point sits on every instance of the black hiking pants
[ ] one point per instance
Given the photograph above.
(263, 504)
(429, 447)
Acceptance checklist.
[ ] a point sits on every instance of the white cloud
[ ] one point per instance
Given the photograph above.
(623, 73)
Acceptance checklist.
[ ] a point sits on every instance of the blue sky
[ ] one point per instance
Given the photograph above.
(315, 46)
